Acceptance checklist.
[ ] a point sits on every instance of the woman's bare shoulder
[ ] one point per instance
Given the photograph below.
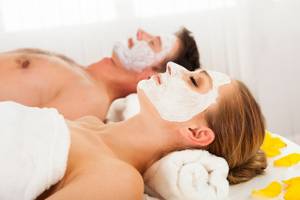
(113, 170)
(107, 179)
(87, 122)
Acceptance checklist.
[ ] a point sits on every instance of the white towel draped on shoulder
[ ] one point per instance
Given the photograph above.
(34, 146)
(188, 175)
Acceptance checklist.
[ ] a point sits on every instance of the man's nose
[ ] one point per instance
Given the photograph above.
(139, 34)
(142, 35)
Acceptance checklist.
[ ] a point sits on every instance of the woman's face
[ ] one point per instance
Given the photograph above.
(178, 94)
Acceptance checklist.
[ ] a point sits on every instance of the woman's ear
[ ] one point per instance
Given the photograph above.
(199, 136)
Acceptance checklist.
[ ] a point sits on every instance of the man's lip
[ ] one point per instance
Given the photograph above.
(130, 43)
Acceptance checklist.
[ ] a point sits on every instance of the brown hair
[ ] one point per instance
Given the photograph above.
(188, 55)
(239, 130)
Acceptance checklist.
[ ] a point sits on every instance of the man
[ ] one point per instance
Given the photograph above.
(38, 78)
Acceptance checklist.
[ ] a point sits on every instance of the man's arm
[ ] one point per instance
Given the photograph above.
(123, 185)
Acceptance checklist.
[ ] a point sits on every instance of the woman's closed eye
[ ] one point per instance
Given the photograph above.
(193, 81)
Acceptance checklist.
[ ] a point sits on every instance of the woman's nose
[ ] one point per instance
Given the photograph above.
(174, 69)
(169, 71)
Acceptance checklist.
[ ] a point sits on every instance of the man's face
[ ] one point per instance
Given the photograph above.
(153, 41)
(146, 50)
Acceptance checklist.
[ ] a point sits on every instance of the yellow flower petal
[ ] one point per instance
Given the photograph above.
(270, 151)
(272, 190)
(292, 181)
(277, 142)
(293, 192)
(268, 134)
(272, 145)
(288, 160)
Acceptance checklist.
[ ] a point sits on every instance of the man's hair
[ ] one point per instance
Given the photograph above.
(188, 55)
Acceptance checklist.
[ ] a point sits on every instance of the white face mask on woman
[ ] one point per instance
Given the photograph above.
(141, 55)
(175, 100)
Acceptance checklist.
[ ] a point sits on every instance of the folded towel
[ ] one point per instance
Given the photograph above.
(123, 108)
(34, 145)
(188, 175)
(147, 197)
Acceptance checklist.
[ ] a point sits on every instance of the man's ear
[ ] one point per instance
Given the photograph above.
(199, 136)
(146, 73)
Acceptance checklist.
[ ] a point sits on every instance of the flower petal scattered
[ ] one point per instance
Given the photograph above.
(272, 145)
(272, 190)
(288, 160)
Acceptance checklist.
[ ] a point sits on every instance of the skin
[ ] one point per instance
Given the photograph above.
(35, 78)
(107, 161)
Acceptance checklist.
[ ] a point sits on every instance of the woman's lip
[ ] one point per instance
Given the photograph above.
(157, 79)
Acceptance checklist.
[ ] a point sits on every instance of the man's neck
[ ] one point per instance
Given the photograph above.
(118, 82)
(137, 142)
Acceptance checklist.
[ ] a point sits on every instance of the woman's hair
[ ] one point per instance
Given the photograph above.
(239, 130)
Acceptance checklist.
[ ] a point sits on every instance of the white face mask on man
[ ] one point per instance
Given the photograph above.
(141, 56)
(175, 100)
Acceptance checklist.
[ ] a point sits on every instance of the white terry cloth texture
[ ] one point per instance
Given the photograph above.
(34, 146)
(147, 197)
(188, 175)
(123, 108)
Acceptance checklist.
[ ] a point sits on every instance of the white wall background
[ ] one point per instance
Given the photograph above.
(257, 41)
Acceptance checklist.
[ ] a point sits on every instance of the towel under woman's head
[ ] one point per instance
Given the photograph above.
(188, 175)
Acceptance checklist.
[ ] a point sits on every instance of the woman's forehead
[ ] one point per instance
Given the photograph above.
(218, 78)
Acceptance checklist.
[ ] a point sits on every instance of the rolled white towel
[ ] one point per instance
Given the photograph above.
(188, 175)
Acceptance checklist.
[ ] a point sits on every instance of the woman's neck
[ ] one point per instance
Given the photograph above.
(137, 142)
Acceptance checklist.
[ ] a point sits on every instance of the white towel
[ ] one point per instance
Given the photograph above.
(34, 145)
(123, 108)
(147, 197)
(188, 175)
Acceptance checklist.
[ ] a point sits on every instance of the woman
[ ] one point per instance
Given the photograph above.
(179, 109)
